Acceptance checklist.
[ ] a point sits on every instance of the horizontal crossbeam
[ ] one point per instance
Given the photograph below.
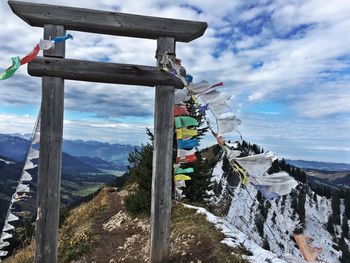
(102, 72)
(111, 23)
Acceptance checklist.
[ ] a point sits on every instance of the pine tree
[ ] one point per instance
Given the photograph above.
(197, 188)
(330, 225)
(345, 228)
(347, 205)
(266, 244)
(345, 258)
(140, 172)
(335, 202)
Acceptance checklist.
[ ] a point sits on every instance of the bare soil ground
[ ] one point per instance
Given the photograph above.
(122, 238)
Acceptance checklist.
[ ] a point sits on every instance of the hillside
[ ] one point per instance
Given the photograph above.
(236, 224)
(334, 175)
(272, 224)
(78, 180)
(101, 231)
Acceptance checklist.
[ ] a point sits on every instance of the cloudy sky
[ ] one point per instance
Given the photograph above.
(285, 63)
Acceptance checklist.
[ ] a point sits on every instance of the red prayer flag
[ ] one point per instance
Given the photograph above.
(220, 140)
(31, 56)
(188, 159)
(180, 110)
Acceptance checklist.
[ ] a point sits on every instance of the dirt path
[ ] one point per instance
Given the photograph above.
(120, 237)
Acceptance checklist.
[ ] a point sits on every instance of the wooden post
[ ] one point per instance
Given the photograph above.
(49, 178)
(162, 163)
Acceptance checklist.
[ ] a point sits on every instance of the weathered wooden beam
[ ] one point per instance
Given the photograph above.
(162, 164)
(111, 23)
(102, 72)
(49, 179)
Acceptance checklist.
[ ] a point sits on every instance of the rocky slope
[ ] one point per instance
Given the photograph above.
(101, 231)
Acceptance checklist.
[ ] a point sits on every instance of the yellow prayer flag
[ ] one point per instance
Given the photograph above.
(185, 133)
(181, 177)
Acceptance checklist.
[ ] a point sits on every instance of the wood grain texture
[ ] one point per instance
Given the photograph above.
(102, 72)
(111, 23)
(51, 31)
(162, 164)
(49, 176)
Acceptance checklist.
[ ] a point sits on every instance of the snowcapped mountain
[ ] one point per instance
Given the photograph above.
(266, 228)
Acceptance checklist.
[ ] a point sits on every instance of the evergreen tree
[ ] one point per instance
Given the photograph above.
(347, 205)
(266, 244)
(140, 172)
(330, 225)
(197, 188)
(301, 205)
(335, 202)
(345, 228)
(345, 258)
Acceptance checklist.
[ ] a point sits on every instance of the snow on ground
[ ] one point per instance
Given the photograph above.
(315, 227)
(7, 162)
(217, 173)
(240, 221)
(234, 238)
(241, 212)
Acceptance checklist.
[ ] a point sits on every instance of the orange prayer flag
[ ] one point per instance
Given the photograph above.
(309, 252)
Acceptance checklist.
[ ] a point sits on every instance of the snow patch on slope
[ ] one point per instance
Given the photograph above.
(7, 162)
(235, 238)
(280, 223)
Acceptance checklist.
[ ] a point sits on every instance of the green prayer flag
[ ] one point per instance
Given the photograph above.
(185, 121)
(16, 63)
(179, 170)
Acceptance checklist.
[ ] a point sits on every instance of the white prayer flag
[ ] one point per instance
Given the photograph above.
(4, 244)
(26, 177)
(231, 154)
(29, 165)
(180, 183)
(3, 253)
(33, 154)
(8, 227)
(36, 138)
(258, 164)
(181, 95)
(46, 44)
(218, 107)
(11, 217)
(199, 87)
(22, 188)
(280, 183)
(227, 123)
(5, 235)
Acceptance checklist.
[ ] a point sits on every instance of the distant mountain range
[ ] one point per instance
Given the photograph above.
(85, 167)
(333, 175)
(324, 166)
(104, 155)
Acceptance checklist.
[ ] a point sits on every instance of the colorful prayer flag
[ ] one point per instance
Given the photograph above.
(31, 56)
(179, 170)
(309, 252)
(187, 144)
(16, 63)
(185, 133)
(181, 177)
(185, 121)
(180, 110)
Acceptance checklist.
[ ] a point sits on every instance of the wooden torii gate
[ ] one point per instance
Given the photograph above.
(54, 68)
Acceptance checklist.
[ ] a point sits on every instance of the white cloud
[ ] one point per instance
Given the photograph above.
(304, 72)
